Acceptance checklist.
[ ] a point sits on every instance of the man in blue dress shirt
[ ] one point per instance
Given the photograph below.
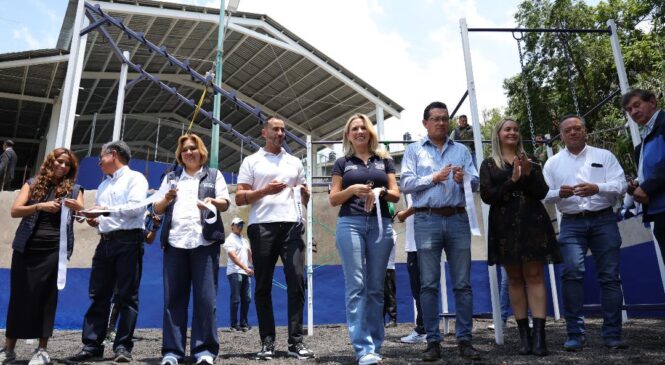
(433, 171)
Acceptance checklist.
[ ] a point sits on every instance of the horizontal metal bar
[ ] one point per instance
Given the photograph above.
(540, 30)
(340, 141)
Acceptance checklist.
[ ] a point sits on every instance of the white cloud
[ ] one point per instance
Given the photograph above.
(348, 31)
(23, 33)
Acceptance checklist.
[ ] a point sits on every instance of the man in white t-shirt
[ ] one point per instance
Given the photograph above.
(238, 271)
(269, 180)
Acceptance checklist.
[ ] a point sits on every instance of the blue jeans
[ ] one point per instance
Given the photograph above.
(364, 263)
(240, 289)
(503, 295)
(600, 234)
(433, 234)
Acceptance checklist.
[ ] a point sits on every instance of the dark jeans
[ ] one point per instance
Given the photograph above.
(190, 270)
(270, 241)
(240, 296)
(599, 234)
(414, 282)
(389, 296)
(113, 317)
(116, 265)
(659, 231)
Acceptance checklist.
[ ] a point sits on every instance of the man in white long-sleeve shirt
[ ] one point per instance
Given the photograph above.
(118, 257)
(585, 182)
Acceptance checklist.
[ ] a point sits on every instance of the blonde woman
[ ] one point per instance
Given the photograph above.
(361, 175)
(521, 237)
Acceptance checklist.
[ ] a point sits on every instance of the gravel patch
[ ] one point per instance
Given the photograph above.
(646, 338)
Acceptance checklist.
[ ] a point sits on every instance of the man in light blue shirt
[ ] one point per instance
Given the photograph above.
(433, 171)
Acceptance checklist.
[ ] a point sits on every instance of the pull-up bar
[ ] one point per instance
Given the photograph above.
(541, 30)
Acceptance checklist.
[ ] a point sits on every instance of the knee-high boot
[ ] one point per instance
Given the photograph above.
(539, 345)
(525, 336)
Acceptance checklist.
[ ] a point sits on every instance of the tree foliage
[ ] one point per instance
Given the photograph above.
(549, 59)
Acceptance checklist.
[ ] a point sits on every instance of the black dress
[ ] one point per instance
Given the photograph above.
(34, 274)
(520, 229)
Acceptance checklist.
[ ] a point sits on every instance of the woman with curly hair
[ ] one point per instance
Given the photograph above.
(34, 269)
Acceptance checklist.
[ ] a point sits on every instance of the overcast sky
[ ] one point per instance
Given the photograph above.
(409, 50)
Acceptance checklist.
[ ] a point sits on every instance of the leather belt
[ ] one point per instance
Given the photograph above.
(588, 213)
(444, 211)
(122, 233)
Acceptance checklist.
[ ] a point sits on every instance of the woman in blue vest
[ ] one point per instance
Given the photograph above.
(34, 272)
(191, 239)
(364, 236)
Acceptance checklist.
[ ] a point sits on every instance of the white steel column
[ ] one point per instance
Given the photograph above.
(70, 90)
(380, 129)
(623, 78)
(475, 123)
(550, 267)
(120, 103)
(51, 134)
(310, 239)
(92, 134)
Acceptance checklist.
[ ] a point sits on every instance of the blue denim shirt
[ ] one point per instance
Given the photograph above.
(421, 160)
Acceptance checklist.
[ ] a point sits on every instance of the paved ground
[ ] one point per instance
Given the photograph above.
(646, 338)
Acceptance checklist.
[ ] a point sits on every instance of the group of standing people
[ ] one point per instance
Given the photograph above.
(583, 181)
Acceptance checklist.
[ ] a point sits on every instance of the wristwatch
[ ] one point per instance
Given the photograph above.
(383, 192)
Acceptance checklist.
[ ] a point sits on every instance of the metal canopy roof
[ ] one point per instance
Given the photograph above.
(269, 66)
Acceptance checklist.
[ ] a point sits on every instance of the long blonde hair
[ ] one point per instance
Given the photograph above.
(373, 143)
(496, 143)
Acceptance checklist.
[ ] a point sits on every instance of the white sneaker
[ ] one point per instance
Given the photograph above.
(370, 359)
(205, 360)
(7, 356)
(40, 357)
(414, 337)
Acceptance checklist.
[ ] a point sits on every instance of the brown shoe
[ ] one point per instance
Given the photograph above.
(466, 351)
(433, 352)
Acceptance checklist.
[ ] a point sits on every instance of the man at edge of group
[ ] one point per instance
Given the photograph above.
(649, 188)
(266, 182)
(584, 183)
(433, 172)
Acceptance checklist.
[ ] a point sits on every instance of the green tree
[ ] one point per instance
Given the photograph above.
(560, 68)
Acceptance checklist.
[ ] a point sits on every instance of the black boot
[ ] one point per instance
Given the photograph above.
(525, 336)
(539, 345)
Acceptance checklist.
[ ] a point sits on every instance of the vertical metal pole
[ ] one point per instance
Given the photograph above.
(70, 90)
(217, 100)
(475, 120)
(159, 122)
(242, 145)
(634, 131)
(379, 123)
(623, 77)
(124, 121)
(92, 134)
(120, 103)
(310, 238)
(550, 267)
